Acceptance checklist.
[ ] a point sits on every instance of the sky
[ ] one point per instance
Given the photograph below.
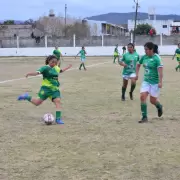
(32, 9)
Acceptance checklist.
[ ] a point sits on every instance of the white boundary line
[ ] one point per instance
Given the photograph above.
(12, 80)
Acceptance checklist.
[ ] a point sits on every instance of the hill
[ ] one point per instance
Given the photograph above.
(122, 18)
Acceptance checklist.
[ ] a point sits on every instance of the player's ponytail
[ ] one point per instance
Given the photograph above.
(49, 58)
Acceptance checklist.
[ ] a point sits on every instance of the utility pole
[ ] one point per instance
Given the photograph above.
(65, 18)
(135, 20)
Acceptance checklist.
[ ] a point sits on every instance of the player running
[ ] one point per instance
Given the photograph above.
(58, 55)
(177, 54)
(116, 54)
(152, 82)
(129, 61)
(50, 86)
(83, 58)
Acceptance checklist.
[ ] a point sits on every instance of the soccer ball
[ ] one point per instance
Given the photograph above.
(48, 119)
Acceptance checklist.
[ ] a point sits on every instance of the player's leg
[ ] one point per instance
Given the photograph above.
(154, 93)
(145, 88)
(178, 66)
(35, 101)
(84, 66)
(81, 64)
(56, 99)
(124, 87)
(133, 85)
(115, 56)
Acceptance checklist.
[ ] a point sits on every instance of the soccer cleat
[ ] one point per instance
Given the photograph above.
(23, 97)
(160, 111)
(176, 69)
(59, 121)
(131, 95)
(122, 98)
(143, 120)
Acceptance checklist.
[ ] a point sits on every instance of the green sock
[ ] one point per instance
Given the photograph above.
(83, 66)
(178, 67)
(80, 66)
(133, 86)
(123, 91)
(114, 59)
(158, 105)
(58, 114)
(29, 98)
(144, 110)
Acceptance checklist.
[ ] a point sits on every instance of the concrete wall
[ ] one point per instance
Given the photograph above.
(25, 42)
(72, 51)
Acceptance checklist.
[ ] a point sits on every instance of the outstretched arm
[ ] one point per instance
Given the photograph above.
(33, 74)
(65, 69)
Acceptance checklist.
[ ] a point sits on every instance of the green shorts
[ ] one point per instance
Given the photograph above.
(46, 92)
(178, 59)
(116, 56)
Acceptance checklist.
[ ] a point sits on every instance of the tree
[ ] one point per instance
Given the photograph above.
(79, 29)
(29, 22)
(144, 29)
(9, 22)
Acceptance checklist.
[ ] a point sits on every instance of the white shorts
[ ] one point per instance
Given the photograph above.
(83, 60)
(152, 89)
(127, 77)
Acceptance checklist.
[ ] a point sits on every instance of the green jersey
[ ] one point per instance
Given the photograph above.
(151, 65)
(83, 54)
(50, 77)
(130, 60)
(57, 53)
(116, 52)
(178, 54)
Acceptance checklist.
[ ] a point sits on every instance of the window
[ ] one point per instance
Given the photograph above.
(164, 26)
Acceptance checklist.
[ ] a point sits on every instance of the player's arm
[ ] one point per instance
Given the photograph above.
(77, 54)
(121, 61)
(65, 69)
(39, 71)
(160, 71)
(138, 67)
(32, 74)
(174, 55)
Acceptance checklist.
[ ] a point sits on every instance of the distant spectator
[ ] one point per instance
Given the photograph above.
(124, 49)
(151, 32)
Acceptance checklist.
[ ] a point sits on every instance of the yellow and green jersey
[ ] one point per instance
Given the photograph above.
(50, 77)
(130, 60)
(178, 54)
(116, 52)
(57, 53)
(82, 54)
(151, 65)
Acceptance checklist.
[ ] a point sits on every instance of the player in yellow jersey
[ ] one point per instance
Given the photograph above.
(116, 54)
(58, 55)
(50, 86)
(177, 54)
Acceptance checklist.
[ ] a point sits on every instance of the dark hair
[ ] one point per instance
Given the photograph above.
(156, 49)
(49, 58)
(178, 44)
(131, 44)
(149, 45)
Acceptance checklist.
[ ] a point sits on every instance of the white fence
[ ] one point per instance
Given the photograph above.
(72, 51)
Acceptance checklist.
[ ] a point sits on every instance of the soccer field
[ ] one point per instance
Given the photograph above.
(101, 138)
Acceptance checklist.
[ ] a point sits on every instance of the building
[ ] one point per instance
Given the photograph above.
(99, 28)
(161, 26)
